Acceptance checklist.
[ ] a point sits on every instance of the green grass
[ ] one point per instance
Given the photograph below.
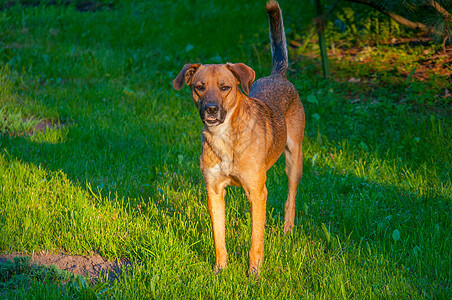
(120, 175)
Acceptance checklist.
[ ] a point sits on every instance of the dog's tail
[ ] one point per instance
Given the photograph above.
(277, 38)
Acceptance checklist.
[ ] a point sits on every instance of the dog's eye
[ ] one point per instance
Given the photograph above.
(200, 88)
(225, 88)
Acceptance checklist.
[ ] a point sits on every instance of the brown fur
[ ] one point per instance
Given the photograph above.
(243, 136)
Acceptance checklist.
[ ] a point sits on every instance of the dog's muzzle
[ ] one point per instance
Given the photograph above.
(212, 114)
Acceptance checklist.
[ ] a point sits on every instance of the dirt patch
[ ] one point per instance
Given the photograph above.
(46, 125)
(87, 266)
(429, 63)
(15, 125)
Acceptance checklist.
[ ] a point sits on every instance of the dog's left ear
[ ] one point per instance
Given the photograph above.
(185, 75)
(244, 74)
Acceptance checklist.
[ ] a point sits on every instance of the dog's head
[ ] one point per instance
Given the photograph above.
(215, 88)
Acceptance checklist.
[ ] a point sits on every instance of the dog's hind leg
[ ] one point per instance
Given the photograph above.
(294, 160)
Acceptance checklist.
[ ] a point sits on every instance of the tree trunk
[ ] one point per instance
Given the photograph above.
(320, 22)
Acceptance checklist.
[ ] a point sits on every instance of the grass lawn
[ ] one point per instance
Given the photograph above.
(117, 171)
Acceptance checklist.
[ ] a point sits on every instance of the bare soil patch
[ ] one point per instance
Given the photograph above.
(46, 125)
(89, 267)
(28, 126)
(429, 64)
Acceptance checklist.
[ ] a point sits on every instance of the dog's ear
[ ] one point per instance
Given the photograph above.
(186, 74)
(244, 74)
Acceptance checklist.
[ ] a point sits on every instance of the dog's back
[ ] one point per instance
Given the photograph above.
(277, 80)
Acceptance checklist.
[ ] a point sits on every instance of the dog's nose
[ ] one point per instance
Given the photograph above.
(211, 108)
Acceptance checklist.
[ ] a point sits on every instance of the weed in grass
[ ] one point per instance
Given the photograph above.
(15, 124)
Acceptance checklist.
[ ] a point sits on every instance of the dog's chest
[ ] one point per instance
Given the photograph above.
(219, 150)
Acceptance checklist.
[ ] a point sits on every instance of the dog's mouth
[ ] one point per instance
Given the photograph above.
(215, 119)
(212, 121)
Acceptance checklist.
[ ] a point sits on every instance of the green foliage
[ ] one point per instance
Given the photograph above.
(15, 124)
(359, 23)
(81, 5)
(437, 18)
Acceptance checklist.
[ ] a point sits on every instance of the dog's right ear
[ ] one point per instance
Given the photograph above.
(186, 74)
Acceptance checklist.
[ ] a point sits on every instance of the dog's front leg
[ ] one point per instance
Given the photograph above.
(257, 196)
(217, 215)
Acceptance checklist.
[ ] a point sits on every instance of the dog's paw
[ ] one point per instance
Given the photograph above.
(288, 228)
(254, 271)
(218, 268)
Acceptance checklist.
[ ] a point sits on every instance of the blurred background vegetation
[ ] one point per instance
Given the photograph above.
(354, 18)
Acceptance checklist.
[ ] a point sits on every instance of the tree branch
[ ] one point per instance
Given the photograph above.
(441, 10)
(396, 17)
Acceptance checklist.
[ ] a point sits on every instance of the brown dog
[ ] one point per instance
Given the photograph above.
(243, 136)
